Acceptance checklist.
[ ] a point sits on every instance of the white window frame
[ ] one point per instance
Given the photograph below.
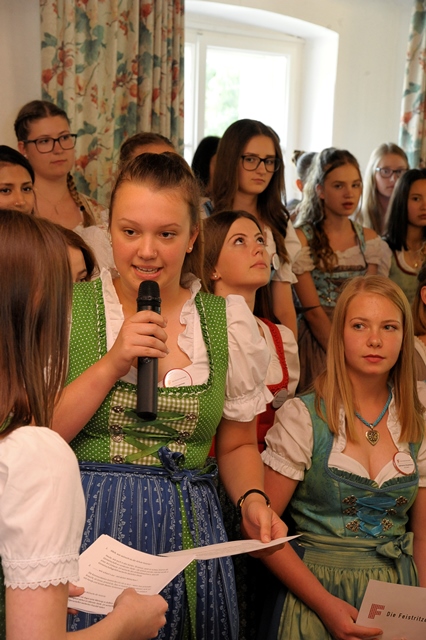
(243, 38)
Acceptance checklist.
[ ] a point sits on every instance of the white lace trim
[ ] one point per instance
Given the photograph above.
(42, 572)
(44, 583)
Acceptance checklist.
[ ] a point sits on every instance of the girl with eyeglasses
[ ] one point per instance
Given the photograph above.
(386, 165)
(334, 249)
(249, 176)
(406, 230)
(45, 139)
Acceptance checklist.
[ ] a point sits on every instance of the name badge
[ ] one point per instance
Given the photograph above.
(177, 378)
(279, 398)
(275, 261)
(404, 463)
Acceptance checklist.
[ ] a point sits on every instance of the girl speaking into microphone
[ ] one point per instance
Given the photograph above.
(146, 482)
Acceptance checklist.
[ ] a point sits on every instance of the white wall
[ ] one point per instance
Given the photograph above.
(21, 63)
(372, 40)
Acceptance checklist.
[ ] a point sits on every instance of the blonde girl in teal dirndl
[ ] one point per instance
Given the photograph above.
(147, 483)
(349, 463)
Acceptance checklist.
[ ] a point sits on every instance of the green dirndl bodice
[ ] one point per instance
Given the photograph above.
(187, 416)
(405, 279)
(353, 531)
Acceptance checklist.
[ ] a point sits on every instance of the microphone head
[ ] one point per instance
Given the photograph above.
(149, 291)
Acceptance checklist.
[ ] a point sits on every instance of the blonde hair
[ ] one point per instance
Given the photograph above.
(370, 209)
(334, 387)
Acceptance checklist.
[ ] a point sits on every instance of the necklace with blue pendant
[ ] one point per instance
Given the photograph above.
(372, 435)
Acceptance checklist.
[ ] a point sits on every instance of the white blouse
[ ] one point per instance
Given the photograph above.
(376, 252)
(404, 264)
(42, 509)
(292, 243)
(246, 394)
(290, 444)
(97, 238)
(291, 351)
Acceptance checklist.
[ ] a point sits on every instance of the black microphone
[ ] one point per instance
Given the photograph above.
(147, 387)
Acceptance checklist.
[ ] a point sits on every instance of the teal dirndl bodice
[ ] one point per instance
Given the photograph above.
(329, 283)
(336, 503)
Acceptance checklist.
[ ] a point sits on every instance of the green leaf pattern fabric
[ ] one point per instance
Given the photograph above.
(116, 68)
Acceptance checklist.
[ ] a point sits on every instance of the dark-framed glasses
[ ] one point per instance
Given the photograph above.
(251, 163)
(46, 145)
(387, 172)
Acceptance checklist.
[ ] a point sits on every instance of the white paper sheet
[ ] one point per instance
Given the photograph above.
(107, 567)
(398, 610)
(225, 549)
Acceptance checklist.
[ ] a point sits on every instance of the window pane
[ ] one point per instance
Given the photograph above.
(242, 84)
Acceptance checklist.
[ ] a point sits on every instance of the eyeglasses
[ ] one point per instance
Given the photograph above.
(251, 163)
(387, 172)
(46, 145)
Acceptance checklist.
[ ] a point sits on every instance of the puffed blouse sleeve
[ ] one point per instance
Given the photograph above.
(98, 240)
(303, 261)
(42, 510)
(248, 359)
(290, 440)
(378, 252)
(284, 273)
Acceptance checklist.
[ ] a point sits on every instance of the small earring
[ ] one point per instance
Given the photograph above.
(215, 276)
(189, 249)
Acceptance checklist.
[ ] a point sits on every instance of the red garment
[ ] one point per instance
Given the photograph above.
(265, 420)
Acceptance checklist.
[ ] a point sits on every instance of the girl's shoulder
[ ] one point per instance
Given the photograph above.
(369, 234)
(304, 233)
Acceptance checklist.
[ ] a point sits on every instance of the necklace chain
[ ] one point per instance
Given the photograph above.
(416, 255)
(52, 204)
(371, 435)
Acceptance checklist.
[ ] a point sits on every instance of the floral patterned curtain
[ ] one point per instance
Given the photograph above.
(412, 135)
(116, 68)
